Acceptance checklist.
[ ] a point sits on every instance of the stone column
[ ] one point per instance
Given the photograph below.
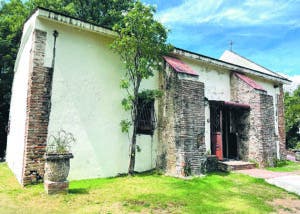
(181, 126)
(281, 124)
(38, 110)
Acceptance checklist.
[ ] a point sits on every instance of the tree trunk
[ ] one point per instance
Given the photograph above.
(133, 141)
(135, 122)
(132, 153)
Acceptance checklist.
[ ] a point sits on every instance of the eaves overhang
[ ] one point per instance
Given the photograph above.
(228, 66)
(44, 13)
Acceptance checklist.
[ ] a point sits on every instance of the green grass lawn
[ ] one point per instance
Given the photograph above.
(147, 193)
(285, 166)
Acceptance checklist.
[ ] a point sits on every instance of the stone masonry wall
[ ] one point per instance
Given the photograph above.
(38, 110)
(281, 124)
(256, 129)
(181, 126)
(268, 136)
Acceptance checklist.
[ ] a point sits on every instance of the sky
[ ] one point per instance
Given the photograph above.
(264, 31)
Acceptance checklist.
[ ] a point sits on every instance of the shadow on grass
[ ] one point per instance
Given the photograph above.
(78, 191)
(146, 173)
(219, 173)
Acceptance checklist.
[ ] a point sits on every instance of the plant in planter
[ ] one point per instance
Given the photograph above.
(58, 155)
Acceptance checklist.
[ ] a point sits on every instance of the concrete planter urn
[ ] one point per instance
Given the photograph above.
(57, 164)
(297, 155)
(57, 167)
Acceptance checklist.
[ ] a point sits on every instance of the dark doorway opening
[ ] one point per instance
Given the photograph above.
(229, 135)
(224, 134)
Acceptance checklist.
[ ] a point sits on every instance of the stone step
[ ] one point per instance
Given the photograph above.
(228, 166)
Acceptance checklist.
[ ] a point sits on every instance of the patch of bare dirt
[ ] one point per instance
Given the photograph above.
(286, 205)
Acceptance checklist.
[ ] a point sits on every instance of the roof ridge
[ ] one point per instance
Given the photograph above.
(249, 60)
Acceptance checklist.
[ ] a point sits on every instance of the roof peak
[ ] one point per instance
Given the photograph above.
(235, 58)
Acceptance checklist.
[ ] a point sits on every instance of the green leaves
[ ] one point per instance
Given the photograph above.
(125, 125)
(141, 42)
(124, 84)
(150, 94)
(127, 104)
(292, 117)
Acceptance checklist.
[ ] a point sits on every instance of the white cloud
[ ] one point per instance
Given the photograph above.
(231, 12)
(295, 83)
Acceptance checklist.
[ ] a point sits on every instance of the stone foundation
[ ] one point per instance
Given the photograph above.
(181, 151)
(56, 187)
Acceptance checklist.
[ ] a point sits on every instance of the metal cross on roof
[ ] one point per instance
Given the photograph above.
(231, 44)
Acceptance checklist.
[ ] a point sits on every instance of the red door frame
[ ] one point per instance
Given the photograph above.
(216, 135)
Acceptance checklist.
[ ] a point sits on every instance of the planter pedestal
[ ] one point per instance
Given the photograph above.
(56, 187)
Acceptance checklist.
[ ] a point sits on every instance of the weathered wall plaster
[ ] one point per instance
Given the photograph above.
(86, 101)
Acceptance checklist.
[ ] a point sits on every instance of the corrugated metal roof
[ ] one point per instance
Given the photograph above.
(250, 82)
(180, 66)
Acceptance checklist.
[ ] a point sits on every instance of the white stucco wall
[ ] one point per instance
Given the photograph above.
(86, 99)
(16, 135)
(216, 81)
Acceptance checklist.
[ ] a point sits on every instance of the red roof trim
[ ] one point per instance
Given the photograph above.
(180, 66)
(249, 81)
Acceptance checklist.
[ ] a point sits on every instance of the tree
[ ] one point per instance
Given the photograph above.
(105, 12)
(12, 16)
(141, 44)
(292, 117)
